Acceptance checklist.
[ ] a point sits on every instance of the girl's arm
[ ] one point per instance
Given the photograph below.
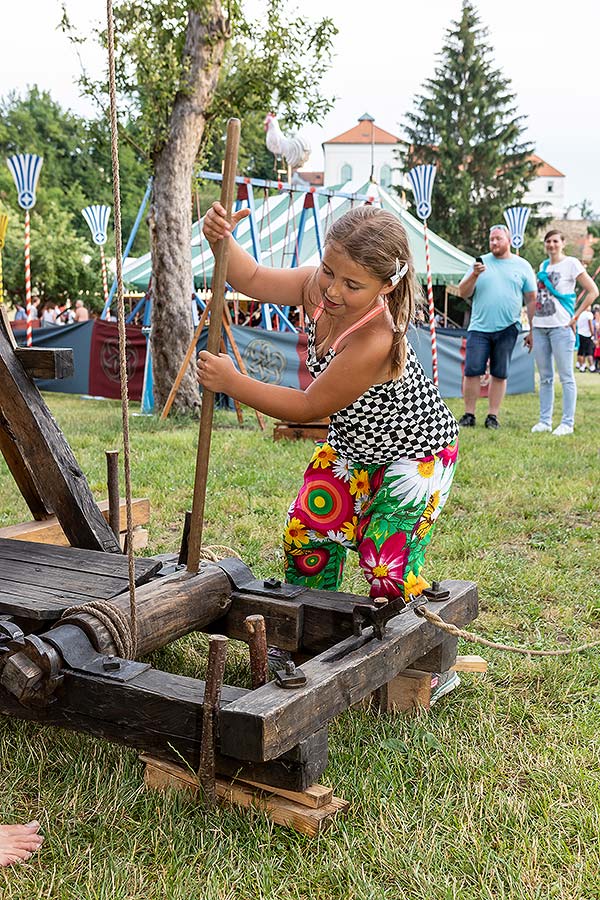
(244, 274)
(353, 370)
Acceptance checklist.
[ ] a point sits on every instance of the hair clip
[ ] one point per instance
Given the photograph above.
(399, 273)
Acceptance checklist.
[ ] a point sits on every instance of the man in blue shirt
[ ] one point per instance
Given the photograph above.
(498, 283)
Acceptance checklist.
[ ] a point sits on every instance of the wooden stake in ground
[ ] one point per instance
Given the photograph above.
(257, 644)
(214, 340)
(217, 653)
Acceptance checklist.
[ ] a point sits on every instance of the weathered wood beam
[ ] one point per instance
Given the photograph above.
(49, 531)
(48, 364)
(161, 714)
(52, 470)
(268, 721)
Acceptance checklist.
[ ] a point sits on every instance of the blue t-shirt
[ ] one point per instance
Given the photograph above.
(499, 290)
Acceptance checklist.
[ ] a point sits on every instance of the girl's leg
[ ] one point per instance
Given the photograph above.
(398, 522)
(321, 522)
(542, 351)
(562, 340)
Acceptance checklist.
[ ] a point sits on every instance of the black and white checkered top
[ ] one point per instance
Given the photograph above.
(404, 418)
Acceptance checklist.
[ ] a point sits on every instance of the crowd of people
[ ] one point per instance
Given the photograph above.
(50, 313)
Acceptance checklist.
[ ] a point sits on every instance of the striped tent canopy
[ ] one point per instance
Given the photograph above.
(277, 219)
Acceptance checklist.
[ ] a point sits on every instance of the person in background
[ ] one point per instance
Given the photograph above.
(81, 313)
(596, 338)
(554, 325)
(585, 333)
(48, 314)
(21, 313)
(498, 284)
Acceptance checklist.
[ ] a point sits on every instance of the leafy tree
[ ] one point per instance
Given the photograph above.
(465, 122)
(183, 68)
(76, 172)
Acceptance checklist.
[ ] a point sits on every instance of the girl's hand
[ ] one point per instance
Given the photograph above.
(216, 226)
(215, 373)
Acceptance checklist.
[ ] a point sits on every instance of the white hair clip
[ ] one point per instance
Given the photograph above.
(399, 273)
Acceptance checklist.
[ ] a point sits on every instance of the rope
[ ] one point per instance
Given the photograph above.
(115, 622)
(215, 552)
(114, 147)
(476, 639)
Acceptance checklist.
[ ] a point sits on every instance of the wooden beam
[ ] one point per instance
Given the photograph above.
(48, 364)
(161, 714)
(49, 531)
(470, 664)
(47, 457)
(269, 720)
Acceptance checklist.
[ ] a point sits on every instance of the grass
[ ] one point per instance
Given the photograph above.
(493, 794)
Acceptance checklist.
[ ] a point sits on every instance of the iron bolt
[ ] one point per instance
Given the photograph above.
(290, 667)
(110, 664)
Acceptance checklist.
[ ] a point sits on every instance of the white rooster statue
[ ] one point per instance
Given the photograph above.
(294, 150)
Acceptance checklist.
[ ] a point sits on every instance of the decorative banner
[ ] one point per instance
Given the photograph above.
(516, 218)
(97, 219)
(421, 181)
(25, 169)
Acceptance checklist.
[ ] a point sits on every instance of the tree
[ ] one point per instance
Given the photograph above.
(465, 122)
(76, 172)
(184, 67)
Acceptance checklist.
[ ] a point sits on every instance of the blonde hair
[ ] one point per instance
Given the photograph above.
(375, 238)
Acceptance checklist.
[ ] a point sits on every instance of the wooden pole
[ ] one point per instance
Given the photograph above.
(112, 479)
(185, 363)
(217, 652)
(257, 644)
(214, 339)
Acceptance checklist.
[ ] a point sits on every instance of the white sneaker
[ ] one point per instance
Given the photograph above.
(592, 368)
(562, 430)
(541, 427)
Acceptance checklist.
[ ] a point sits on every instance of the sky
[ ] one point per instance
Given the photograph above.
(384, 51)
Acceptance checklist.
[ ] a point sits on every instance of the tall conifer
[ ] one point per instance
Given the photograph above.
(466, 122)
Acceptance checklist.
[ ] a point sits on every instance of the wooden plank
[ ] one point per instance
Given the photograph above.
(408, 691)
(48, 364)
(292, 431)
(470, 664)
(315, 796)
(46, 456)
(278, 808)
(48, 531)
(283, 619)
(72, 560)
(20, 573)
(269, 720)
(161, 714)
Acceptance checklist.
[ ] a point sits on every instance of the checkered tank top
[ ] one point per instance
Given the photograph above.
(405, 417)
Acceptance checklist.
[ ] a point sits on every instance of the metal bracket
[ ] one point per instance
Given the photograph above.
(242, 579)
(290, 676)
(78, 654)
(377, 616)
(436, 593)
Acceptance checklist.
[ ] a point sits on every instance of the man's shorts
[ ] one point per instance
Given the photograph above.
(497, 346)
(586, 346)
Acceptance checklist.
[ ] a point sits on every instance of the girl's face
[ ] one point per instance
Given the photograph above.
(346, 286)
(554, 244)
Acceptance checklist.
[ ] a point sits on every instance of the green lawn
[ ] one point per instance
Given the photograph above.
(493, 794)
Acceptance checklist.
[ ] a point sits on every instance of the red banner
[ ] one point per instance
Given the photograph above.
(104, 361)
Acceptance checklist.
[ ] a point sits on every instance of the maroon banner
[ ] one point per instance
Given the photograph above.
(104, 361)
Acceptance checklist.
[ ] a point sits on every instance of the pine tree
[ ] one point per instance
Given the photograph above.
(466, 122)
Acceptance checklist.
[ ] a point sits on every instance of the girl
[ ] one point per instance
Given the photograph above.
(553, 331)
(380, 481)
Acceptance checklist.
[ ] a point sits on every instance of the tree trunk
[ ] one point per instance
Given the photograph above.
(170, 217)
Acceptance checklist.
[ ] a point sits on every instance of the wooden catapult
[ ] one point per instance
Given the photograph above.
(66, 657)
(68, 671)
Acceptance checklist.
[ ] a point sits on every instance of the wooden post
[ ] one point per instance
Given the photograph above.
(185, 363)
(112, 480)
(214, 338)
(257, 643)
(217, 652)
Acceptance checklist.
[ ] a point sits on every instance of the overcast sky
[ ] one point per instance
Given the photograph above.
(384, 51)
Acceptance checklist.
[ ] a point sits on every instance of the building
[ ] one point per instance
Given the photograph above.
(548, 190)
(362, 153)
(367, 151)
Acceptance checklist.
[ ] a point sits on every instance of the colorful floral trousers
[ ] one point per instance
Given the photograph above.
(385, 512)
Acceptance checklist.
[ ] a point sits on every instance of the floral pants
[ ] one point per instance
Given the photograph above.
(385, 512)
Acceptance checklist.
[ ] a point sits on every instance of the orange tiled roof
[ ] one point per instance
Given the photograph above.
(545, 170)
(361, 134)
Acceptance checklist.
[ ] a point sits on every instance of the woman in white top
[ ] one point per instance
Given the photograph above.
(553, 332)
